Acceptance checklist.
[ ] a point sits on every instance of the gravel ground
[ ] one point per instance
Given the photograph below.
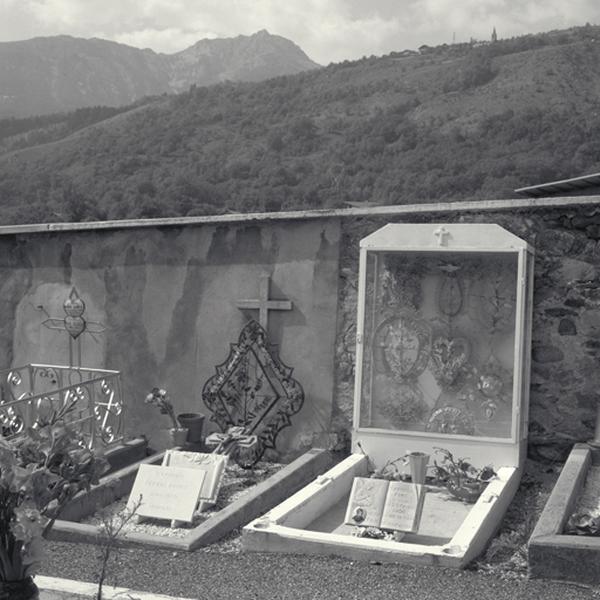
(223, 571)
(226, 576)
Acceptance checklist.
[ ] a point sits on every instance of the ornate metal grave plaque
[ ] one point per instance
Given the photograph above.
(253, 389)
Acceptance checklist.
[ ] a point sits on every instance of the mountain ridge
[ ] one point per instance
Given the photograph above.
(51, 74)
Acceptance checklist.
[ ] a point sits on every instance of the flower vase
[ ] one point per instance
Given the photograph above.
(418, 466)
(179, 436)
(24, 589)
(194, 422)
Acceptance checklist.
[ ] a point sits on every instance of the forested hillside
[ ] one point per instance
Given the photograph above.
(451, 123)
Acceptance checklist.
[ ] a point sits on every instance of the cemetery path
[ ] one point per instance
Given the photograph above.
(228, 575)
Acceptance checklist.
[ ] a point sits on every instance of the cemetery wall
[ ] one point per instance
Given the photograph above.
(167, 290)
(167, 297)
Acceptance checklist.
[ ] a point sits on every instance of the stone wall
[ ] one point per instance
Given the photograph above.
(167, 293)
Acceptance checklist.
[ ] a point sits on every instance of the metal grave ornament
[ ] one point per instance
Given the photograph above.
(74, 324)
(255, 390)
(449, 358)
(74, 308)
(401, 347)
(450, 291)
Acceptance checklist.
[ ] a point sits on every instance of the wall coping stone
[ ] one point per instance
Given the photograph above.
(373, 211)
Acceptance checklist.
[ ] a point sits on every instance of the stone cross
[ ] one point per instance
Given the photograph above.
(74, 323)
(263, 304)
(442, 234)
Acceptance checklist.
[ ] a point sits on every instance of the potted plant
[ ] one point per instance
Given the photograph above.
(160, 398)
(462, 479)
(40, 471)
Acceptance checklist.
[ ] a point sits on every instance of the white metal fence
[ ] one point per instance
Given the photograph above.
(32, 393)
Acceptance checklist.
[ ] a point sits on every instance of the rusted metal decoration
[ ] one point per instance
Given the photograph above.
(255, 390)
(74, 323)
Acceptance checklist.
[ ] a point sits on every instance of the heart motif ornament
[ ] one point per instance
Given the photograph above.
(448, 358)
(75, 326)
(74, 306)
(401, 347)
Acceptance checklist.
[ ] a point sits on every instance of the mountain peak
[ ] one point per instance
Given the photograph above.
(54, 74)
(254, 57)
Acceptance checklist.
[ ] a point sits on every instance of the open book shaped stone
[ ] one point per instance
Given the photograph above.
(212, 464)
(390, 505)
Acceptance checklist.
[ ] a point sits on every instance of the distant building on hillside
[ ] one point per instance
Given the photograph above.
(404, 53)
(586, 185)
(494, 36)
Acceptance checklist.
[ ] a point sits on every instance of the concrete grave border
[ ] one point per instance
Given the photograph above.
(552, 554)
(257, 501)
(54, 587)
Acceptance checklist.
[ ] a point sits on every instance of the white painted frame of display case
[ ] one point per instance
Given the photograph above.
(283, 529)
(482, 238)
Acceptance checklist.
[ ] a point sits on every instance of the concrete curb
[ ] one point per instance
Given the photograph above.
(66, 588)
(558, 556)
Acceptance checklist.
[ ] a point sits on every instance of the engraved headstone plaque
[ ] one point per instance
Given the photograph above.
(212, 465)
(166, 492)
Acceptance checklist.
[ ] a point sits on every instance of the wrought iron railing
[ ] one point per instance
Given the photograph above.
(32, 393)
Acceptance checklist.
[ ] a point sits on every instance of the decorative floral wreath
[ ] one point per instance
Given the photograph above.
(451, 420)
(401, 347)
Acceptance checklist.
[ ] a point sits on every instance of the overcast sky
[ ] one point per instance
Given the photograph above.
(327, 30)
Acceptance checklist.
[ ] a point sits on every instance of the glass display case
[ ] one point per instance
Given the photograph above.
(441, 332)
(439, 342)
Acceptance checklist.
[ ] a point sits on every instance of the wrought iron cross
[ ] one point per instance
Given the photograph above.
(263, 304)
(74, 323)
